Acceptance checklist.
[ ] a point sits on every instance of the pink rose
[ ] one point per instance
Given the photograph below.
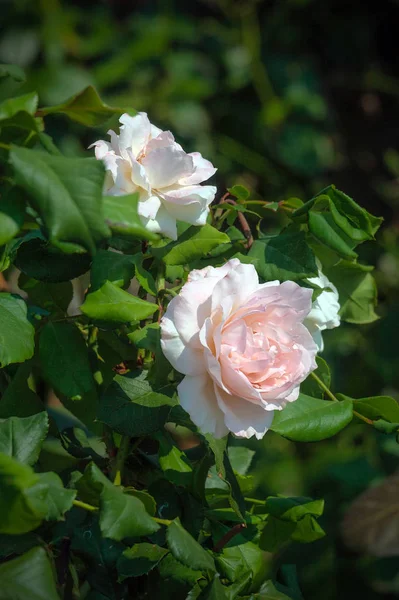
(241, 345)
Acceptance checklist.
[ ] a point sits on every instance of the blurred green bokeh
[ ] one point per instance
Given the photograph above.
(284, 97)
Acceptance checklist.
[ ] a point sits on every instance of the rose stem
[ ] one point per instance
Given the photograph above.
(332, 397)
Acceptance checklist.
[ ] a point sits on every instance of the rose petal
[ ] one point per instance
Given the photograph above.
(243, 418)
(162, 223)
(149, 207)
(183, 358)
(138, 174)
(134, 133)
(197, 397)
(189, 204)
(203, 170)
(164, 166)
(239, 283)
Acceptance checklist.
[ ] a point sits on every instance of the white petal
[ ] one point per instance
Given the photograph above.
(197, 397)
(138, 174)
(239, 283)
(162, 223)
(155, 131)
(134, 133)
(189, 203)
(243, 418)
(123, 179)
(182, 356)
(149, 207)
(164, 166)
(203, 170)
(103, 151)
(163, 140)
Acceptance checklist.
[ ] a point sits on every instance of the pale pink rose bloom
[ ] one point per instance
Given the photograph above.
(147, 160)
(241, 345)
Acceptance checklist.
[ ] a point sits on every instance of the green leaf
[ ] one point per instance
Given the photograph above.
(51, 491)
(38, 259)
(275, 534)
(114, 267)
(149, 338)
(22, 438)
(240, 192)
(121, 515)
(376, 407)
(27, 498)
(86, 108)
(19, 111)
(173, 461)
(18, 388)
(187, 550)
(307, 530)
(337, 221)
(139, 560)
(28, 576)
(54, 297)
(10, 107)
(225, 473)
(171, 568)
(132, 407)
(19, 513)
(12, 212)
(146, 499)
(293, 509)
(284, 257)
(143, 276)
(239, 557)
(310, 387)
(195, 243)
(11, 78)
(122, 217)
(67, 194)
(268, 591)
(64, 359)
(310, 419)
(16, 334)
(214, 591)
(357, 291)
(240, 458)
(324, 228)
(113, 305)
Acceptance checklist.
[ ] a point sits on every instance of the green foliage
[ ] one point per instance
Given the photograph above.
(22, 438)
(86, 108)
(108, 490)
(63, 354)
(113, 305)
(66, 192)
(17, 334)
(311, 419)
(284, 257)
(29, 575)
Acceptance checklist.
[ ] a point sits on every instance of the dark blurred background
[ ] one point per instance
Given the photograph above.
(285, 97)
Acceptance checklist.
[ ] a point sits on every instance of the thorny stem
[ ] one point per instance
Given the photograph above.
(334, 399)
(243, 221)
(228, 536)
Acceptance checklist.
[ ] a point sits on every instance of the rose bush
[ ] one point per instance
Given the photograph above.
(111, 465)
(242, 346)
(147, 160)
